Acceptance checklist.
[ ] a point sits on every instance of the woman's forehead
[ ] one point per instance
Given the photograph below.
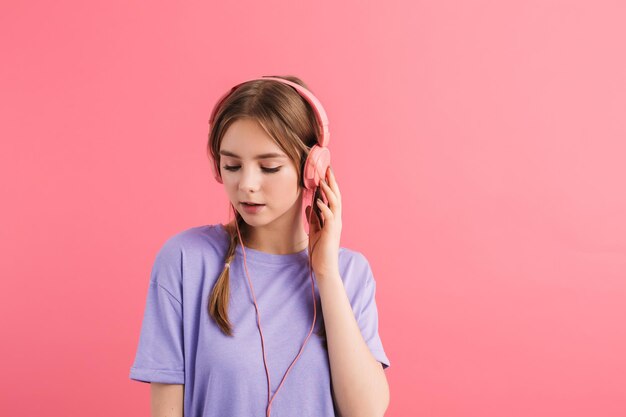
(246, 138)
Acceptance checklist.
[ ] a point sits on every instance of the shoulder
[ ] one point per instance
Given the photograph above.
(355, 269)
(352, 259)
(184, 257)
(194, 240)
(190, 249)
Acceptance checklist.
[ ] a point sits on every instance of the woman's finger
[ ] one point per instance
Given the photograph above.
(326, 211)
(330, 195)
(333, 183)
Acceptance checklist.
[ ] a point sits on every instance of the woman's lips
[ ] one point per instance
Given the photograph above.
(252, 209)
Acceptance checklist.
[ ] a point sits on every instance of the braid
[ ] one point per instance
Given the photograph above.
(220, 295)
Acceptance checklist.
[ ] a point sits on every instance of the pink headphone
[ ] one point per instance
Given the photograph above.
(315, 168)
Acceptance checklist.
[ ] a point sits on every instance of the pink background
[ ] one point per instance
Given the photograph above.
(479, 147)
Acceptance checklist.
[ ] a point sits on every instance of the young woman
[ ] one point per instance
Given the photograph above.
(233, 314)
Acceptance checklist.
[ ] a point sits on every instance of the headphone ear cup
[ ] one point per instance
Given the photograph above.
(315, 167)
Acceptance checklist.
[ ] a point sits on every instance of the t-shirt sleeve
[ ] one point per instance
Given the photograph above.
(159, 356)
(366, 312)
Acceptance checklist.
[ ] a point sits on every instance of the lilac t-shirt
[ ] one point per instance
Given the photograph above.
(225, 376)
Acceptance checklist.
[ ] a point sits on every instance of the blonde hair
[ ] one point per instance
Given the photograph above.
(290, 121)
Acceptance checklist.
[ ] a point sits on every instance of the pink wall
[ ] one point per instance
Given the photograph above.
(494, 222)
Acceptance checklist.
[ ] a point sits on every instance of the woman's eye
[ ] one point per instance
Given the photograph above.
(236, 167)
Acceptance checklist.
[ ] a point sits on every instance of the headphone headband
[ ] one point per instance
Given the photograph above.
(318, 109)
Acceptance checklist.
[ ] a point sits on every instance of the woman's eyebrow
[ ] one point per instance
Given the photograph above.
(262, 156)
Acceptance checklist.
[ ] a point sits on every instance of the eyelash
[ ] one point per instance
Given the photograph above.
(236, 167)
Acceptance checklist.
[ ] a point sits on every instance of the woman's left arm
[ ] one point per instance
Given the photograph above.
(359, 382)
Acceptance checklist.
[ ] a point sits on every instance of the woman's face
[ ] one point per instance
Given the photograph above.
(249, 174)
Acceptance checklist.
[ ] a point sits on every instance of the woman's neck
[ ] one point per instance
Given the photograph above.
(275, 241)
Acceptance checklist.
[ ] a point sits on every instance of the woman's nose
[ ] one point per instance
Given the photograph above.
(249, 180)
